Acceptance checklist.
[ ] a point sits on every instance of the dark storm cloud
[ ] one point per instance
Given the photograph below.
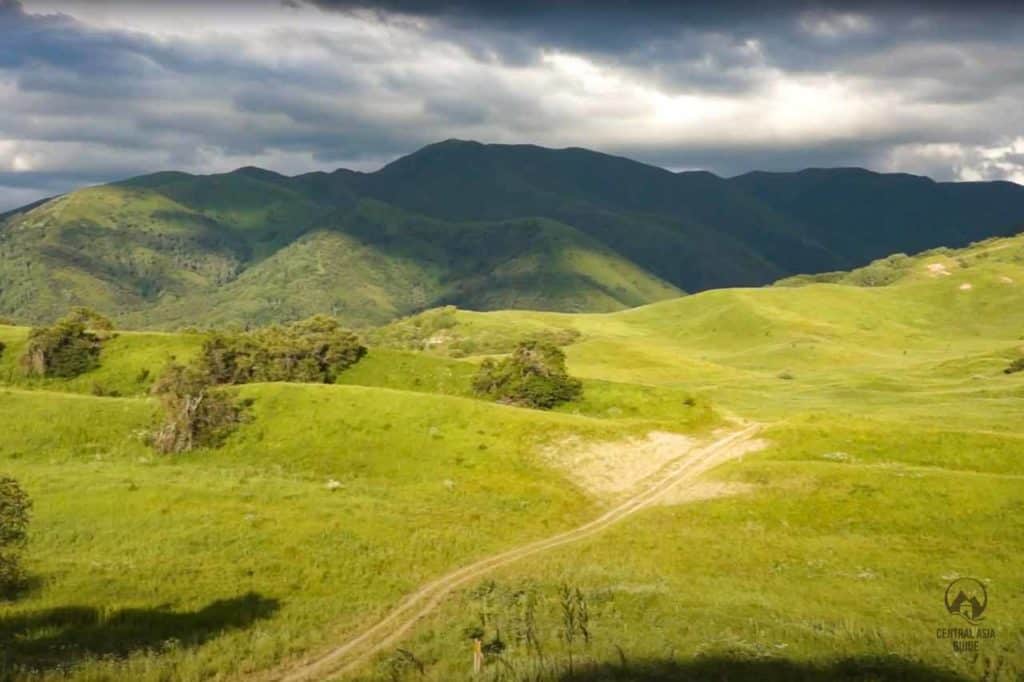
(709, 45)
(98, 90)
(88, 104)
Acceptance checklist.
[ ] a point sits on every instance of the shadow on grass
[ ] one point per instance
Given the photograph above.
(20, 587)
(724, 669)
(61, 637)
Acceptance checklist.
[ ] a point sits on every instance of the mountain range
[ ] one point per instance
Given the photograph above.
(478, 226)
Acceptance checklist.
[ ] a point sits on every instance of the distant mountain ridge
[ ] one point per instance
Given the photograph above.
(479, 226)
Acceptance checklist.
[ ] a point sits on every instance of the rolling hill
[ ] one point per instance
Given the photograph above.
(479, 226)
(883, 407)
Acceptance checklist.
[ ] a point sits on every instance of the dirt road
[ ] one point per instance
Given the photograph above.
(392, 628)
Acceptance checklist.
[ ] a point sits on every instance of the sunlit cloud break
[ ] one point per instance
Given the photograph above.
(95, 91)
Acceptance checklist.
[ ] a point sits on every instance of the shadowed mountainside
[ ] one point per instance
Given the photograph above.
(480, 226)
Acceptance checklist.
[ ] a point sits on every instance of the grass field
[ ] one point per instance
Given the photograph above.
(894, 466)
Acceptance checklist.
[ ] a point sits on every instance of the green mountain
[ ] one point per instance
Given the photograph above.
(479, 226)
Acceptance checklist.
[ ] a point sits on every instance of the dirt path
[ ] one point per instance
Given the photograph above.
(397, 624)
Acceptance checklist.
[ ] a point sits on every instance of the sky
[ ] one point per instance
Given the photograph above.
(95, 90)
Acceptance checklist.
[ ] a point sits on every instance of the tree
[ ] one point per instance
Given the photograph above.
(195, 413)
(14, 516)
(534, 375)
(69, 347)
(90, 319)
(316, 350)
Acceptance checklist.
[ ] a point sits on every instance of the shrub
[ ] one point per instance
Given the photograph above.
(90, 318)
(1015, 366)
(14, 517)
(438, 331)
(533, 376)
(101, 391)
(881, 272)
(316, 350)
(68, 348)
(195, 413)
(417, 332)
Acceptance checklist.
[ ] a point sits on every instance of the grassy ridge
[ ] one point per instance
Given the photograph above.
(894, 466)
(264, 558)
(129, 362)
(425, 485)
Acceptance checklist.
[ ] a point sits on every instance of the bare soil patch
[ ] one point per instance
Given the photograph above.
(613, 467)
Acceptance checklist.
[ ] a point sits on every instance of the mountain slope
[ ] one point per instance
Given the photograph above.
(478, 226)
(110, 247)
(378, 263)
(682, 227)
(864, 215)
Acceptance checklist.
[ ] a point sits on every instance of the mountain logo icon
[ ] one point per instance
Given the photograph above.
(967, 598)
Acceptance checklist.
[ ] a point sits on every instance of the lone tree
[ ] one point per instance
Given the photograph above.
(14, 516)
(534, 375)
(69, 347)
(195, 414)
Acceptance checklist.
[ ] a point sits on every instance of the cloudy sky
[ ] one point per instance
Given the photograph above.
(94, 91)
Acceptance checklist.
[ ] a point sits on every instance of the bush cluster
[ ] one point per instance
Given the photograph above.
(195, 413)
(14, 515)
(534, 375)
(881, 272)
(316, 350)
(69, 347)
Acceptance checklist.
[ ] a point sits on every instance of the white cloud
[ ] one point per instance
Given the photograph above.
(969, 163)
(835, 24)
(206, 87)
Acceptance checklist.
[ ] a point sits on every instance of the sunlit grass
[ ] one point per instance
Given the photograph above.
(895, 464)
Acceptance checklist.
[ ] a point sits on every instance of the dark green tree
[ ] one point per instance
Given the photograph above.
(90, 319)
(194, 412)
(534, 375)
(69, 347)
(316, 350)
(14, 516)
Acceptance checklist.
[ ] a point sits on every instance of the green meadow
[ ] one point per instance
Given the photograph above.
(893, 466)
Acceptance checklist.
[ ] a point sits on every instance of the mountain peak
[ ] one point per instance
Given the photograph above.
(258, 173)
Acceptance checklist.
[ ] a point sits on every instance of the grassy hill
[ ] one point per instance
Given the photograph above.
(887, 408)
(479, 226)
(892, 467)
